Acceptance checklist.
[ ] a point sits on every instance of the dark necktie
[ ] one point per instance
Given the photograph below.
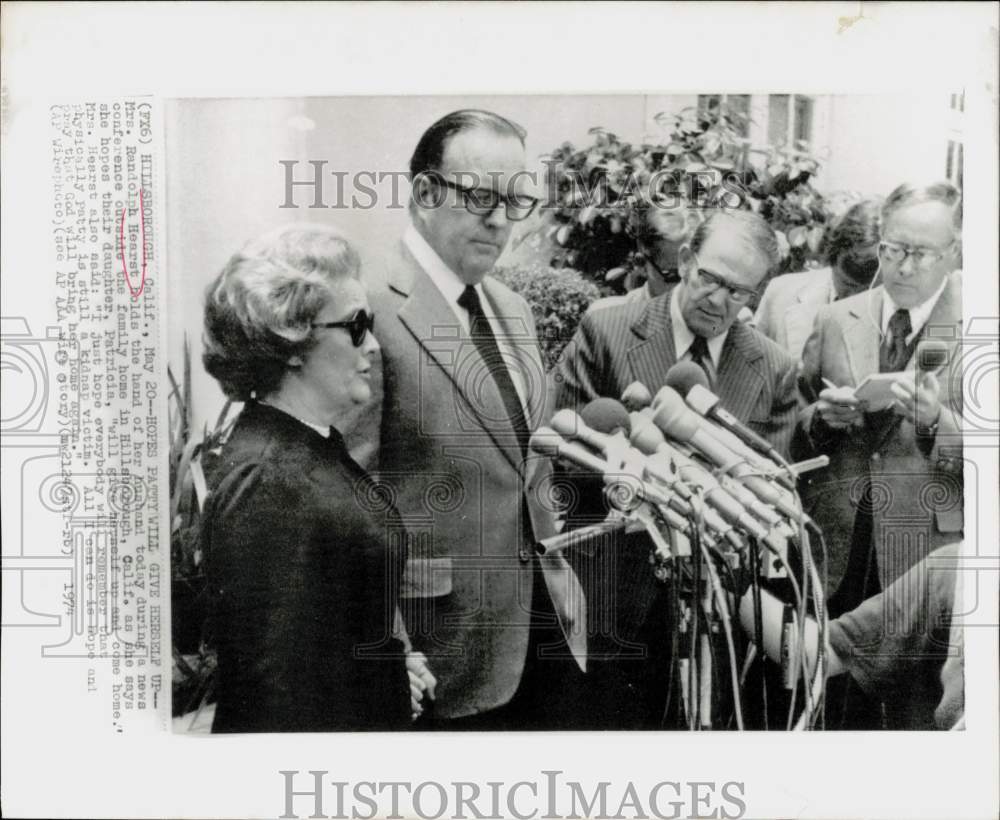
(701, 357)
(895, 353)
(486, 344)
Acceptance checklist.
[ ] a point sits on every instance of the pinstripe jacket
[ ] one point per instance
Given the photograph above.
(622, 340)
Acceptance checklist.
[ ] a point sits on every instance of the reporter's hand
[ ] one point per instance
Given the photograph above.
(919, 402)
(838, 408)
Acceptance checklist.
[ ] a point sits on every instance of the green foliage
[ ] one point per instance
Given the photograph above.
(598, 192)
(558, 298)
(192, 461)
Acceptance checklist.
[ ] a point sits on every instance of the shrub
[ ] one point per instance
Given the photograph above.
(558, 298)
(599, 190)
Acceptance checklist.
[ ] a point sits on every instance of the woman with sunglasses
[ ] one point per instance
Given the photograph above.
(303, 567)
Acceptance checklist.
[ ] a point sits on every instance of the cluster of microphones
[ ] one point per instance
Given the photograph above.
(680, 466)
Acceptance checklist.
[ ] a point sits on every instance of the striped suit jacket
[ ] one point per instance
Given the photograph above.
(622, 340)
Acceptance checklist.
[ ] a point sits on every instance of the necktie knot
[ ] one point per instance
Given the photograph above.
(698, 351)
(900, 326)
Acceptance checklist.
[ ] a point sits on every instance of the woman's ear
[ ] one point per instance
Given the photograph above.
(295, 362)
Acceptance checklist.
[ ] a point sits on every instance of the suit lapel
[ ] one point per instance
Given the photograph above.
(441, 336)
(862, 336)
(653, 353)
(740, 382)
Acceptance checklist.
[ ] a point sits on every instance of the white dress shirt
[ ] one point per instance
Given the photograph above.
(684, 338)
(451, 288)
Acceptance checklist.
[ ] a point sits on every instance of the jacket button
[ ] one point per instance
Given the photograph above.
(524, 554)
(876, 456)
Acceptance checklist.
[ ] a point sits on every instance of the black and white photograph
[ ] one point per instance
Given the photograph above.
(482, 436)
(506, 404)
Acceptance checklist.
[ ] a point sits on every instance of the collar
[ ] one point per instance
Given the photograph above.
(918, 315)
(323, 431)
(683, 337)
(443, 277)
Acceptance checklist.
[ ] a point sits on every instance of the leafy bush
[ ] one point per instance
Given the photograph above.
(598, 192)
(192, 460)
(558, 298)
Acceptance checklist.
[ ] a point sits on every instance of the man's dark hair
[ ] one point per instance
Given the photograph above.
(857, 228)
(429, 152)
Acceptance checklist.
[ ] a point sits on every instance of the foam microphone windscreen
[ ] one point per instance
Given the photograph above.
(636, 396)
(932, 354)
(685, 375)
(607, 416)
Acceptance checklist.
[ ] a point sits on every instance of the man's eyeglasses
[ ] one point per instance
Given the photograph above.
(711, 282)
(484, 201)
(896, 254)
(359, 326)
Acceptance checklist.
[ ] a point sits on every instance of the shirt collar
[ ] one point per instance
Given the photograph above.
(918, 315)
(323, 431)
(443, 277)
(683, 337)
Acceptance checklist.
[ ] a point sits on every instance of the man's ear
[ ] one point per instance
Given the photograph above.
(685, 257)
(425, 193)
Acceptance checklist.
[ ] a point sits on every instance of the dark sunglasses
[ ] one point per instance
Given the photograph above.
(359, 326)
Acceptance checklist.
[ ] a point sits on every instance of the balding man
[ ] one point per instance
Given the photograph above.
(623, 340)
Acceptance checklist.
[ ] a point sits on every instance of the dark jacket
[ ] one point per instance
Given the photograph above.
(303, 567)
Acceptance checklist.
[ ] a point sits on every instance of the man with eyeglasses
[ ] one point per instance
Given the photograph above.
(622, 340)
(502, 627)
(893, 490)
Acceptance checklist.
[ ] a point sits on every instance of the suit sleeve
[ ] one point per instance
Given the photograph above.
(811, 437)
(784, 409)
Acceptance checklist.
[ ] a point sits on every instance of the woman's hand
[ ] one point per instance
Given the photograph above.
(422, 681)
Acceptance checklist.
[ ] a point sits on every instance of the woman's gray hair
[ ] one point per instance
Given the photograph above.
(260, 308)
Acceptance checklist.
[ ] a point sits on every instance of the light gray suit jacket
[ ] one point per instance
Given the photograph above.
(451, 461)
(918, 491)
(789, 306)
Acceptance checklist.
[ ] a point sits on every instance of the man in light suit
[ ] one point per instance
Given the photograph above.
(503, 628)
(622, 340)
(790, 303)
(894, 489)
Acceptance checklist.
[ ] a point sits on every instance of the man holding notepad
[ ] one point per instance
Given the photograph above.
(883, 399)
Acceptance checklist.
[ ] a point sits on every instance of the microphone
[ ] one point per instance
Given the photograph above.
(616, 447)
(678, 421)
(932, 354)
(731, 511)
(609, 414)
(689, 380)
(636, 397)
(649, 439)
(547, 441)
